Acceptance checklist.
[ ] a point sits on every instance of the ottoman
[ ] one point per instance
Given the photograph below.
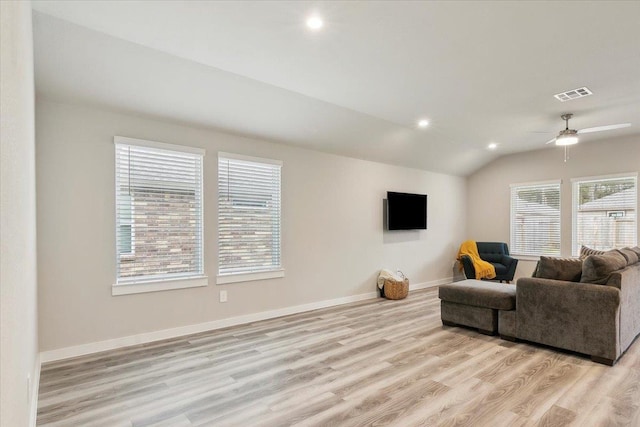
(476, 303)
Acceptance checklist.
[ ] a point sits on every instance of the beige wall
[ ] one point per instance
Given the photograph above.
(333, 239)
(18, 298)
(489, 192)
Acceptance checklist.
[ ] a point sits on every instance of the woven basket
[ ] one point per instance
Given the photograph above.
(396, 289)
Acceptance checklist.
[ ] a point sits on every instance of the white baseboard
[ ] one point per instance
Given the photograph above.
(430, 284)
(35, 386)
(95, 347)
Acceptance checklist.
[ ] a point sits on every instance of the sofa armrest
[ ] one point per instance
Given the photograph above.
(575, 316)
(511, 263)
(628, 281)
(467, 265)
(508, 260)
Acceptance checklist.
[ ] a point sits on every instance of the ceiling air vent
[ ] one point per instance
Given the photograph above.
(573, 94)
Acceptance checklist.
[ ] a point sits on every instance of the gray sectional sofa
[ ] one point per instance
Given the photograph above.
(589, 305)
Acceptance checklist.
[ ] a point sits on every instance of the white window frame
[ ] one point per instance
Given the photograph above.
(575, 182)
(160, 282)
(514, 249)
(271, 273)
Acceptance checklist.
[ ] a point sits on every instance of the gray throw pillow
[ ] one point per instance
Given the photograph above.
(597, 268)
(585, 252)
(568, 269)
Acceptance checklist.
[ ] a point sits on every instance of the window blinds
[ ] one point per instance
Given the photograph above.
(535, 219)
(605, 213)
(248, 215)
(158, 211)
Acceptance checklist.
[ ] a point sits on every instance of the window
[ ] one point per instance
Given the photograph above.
(535, 219)
(158, 213)
(605, 212)
(248, 218)
(125, 225)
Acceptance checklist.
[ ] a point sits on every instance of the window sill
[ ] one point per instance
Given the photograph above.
(247, 277)
(529, 257)
(158, 285)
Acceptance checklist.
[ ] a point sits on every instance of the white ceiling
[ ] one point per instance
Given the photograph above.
(481, 72)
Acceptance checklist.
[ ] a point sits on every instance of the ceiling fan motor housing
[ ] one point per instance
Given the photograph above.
(567, 132)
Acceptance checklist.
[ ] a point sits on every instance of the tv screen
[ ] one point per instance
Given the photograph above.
(406, 211)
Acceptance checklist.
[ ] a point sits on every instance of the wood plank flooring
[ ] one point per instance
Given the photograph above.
(375, 362)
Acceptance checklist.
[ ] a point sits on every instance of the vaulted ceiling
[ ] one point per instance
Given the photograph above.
(480, 72)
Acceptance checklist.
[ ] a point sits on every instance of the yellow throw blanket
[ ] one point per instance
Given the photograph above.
(484, 270)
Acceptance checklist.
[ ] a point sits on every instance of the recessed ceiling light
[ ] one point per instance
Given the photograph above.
(492, 146)
(423, 123)
(315, 22)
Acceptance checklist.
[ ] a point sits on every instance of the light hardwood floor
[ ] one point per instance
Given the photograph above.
(374, 362)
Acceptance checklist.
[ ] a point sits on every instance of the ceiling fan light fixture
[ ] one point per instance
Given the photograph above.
(567, 139)
(567, 136)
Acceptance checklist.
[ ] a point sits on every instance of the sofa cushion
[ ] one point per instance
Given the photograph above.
(490, 257)
(500, 268)
(629, 255)
(569, 269)
(585, 252)
(535, 270)
(597, 268)
(478, 293)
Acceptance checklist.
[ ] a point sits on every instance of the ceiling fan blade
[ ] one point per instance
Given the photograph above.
(550, 141)
(603, 128)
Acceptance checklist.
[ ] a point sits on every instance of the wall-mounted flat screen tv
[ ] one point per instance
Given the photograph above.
(406, 211)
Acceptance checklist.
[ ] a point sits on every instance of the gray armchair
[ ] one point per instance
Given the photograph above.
(496, 253)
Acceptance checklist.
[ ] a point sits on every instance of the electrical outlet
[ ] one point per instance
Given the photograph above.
(223, 296)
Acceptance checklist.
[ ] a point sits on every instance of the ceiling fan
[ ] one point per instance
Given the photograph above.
(570, 136)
